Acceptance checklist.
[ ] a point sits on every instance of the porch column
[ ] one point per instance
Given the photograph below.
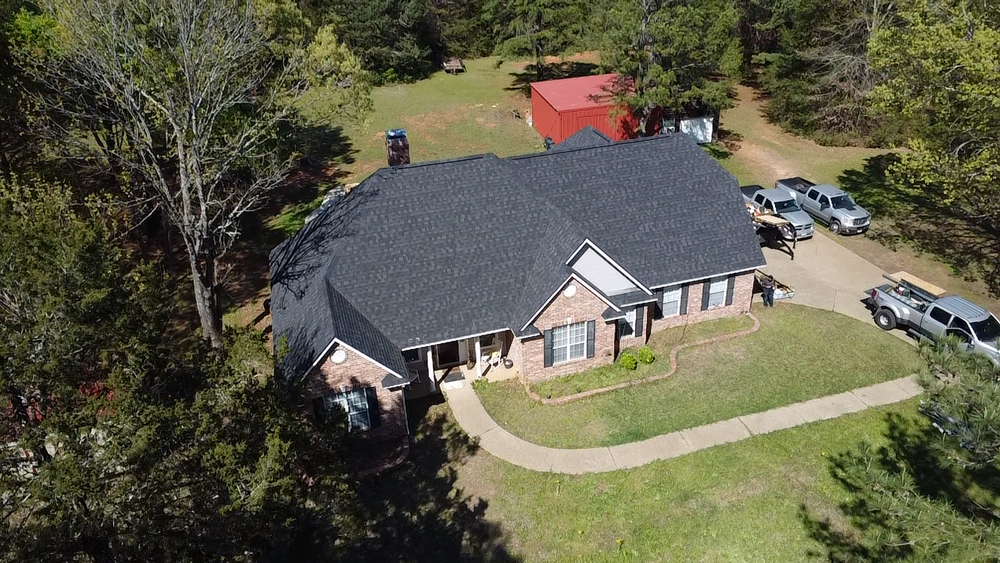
(431, 381)
(479, 360)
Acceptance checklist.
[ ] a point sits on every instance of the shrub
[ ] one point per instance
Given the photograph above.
(646, 355)
(627, 360)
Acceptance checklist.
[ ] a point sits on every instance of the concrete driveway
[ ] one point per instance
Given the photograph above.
(825, 275)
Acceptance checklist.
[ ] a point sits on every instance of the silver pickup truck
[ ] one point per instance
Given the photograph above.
(828, 204)
(780, 203)
(922, 309)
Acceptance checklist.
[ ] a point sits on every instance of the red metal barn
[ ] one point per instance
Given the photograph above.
(560, 108)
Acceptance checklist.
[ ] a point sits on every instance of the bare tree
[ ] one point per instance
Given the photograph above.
(199, 96)
(843, 65)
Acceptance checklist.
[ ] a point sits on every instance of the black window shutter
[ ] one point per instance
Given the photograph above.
(658, 306)
(640, 320)
(591, 329)
(705, 289)
(374, 413)
(319, 410)
(548, 348)
(730, 285)
(684, 299)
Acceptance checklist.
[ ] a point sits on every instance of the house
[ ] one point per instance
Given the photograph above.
(561, 108)
(555, 261)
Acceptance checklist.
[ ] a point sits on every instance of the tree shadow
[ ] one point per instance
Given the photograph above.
(730, 140)
(324, 153)
(416, 513)
(554, 71)
(913, 466)
(926, 218)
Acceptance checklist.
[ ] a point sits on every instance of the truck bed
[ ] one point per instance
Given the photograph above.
(800, 185)
(748, 191)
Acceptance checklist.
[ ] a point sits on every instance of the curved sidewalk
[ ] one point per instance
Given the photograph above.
(476, 422)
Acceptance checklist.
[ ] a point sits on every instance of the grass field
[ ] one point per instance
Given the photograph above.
(660, 342)
(799, 353)
(743, 502)
(445, 116)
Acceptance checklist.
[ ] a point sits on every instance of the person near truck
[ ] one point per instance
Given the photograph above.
(767, 290)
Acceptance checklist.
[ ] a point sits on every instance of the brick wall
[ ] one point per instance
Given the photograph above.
(742, 295)
(358, 372)
(632, 341)
(583, 306)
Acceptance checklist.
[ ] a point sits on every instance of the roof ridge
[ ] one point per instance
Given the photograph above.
(422, 164)
(661, 136)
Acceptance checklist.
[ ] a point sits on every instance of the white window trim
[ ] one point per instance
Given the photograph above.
(674, 296)
(569, 343)
(713, 283)
(343, 401)
(630, 320)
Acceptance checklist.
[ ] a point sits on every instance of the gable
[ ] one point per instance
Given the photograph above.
(601, 273)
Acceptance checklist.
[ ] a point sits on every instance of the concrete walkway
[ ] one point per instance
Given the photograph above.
(474, 419)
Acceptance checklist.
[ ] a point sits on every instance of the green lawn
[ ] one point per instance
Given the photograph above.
(799, 353)
(445, 116)
(739, 502)
(661, 342)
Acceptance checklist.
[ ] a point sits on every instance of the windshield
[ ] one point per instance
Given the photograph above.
(787, 206)
(987, 330)
(842, 201)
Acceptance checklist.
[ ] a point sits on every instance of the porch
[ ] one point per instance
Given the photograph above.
(460, 361)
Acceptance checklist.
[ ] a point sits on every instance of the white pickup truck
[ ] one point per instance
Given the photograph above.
(780, 203)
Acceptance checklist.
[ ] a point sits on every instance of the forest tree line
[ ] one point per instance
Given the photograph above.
(133, 132)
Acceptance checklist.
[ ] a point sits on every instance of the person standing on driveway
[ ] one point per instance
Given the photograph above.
(767, 287)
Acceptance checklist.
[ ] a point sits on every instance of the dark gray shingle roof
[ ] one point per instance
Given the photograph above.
(584, 138)
(660, 207)
(432, 252)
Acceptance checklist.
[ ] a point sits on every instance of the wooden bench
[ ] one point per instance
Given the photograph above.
(453, 66)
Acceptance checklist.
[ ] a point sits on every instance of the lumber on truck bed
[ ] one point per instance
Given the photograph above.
(914, 280)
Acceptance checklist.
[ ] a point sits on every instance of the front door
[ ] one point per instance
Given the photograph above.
(446, 355)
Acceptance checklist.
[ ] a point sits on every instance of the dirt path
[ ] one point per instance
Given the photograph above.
(767, 152)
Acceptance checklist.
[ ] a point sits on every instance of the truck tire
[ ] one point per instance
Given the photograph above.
(835, 227)
(885, 319)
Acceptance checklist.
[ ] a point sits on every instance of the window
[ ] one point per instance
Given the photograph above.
(355, 404)
(813, 195)
(959, 324)
(824, 200)
(671, 302)
(569, 342)
(717, 292)
(787, 206)
(940, 315)
(630, 320)
(842, 202)
(988, 329)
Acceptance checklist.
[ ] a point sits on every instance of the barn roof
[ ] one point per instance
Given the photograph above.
(576, 93)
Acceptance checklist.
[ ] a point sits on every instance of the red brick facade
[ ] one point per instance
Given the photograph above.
(355, 372)
(633, 341)
(742, 295)
(584, 306)
(529, 353)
